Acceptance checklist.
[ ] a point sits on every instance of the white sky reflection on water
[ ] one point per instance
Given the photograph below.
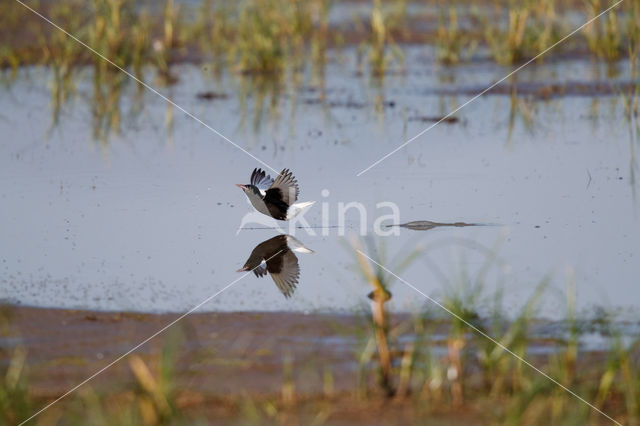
(150, 225)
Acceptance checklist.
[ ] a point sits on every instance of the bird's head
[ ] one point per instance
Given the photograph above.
(248, 189)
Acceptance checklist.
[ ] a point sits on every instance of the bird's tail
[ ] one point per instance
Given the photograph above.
(295, 245)
(295, 209)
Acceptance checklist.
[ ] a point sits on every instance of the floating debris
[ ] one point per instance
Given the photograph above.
(425, 225)
(211, 96)
(348, 104)
(312, 101)
(546, 90)
(446, 120)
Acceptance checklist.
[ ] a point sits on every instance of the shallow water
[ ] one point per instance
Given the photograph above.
(148, 220)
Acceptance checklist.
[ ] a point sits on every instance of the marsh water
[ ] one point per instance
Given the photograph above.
(146, 218)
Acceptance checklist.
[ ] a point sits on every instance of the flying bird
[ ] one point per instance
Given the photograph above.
(276, 198)
(275, 256)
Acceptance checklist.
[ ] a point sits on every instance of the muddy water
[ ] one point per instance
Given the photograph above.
(148, 221)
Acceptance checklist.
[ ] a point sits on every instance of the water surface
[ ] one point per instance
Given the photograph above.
(147, 219)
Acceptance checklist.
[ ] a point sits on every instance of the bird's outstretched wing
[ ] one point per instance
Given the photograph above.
(282, 193)
(260, 179)
(285, 271)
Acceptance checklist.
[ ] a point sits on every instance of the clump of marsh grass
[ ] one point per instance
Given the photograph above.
(14, 18)
(502, 373)
(380, 280)
(171, 38)
(62, 54)
(122, 33)
(15, 403)
(150, 399)
(266, 43)
(604, 36)
(263, 36)
(454, 45)
(269, 34)
(609, 36)
(631, 99)
(530, 28)
(379, 295)
(377, 53)
(382, 50)
(473, 368)
(521, 109)
(214, 30)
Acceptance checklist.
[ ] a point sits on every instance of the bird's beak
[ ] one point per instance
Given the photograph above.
(243, 269)
(241, 186)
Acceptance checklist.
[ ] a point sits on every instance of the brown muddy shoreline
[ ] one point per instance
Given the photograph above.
(64, 345)
(223, 359)
(306, 367)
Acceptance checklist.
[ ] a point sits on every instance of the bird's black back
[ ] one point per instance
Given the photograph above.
(275, 203)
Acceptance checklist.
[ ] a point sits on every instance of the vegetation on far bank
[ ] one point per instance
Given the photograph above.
(267, 36)
(277, 46)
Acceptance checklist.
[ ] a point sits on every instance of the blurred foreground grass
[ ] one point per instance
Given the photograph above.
(429, 366)
(458, 376)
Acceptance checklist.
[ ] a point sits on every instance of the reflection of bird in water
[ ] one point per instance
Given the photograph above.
(276, 257)
(275, 198)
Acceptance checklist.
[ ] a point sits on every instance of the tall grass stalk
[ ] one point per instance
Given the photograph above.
(454, 45)
(379, 296)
